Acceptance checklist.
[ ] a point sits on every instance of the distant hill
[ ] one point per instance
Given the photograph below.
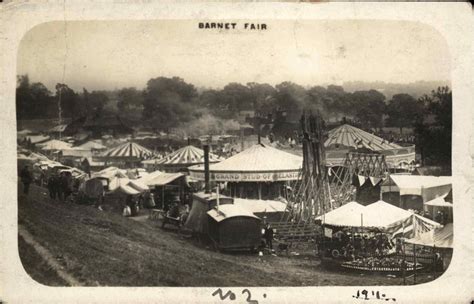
(416, 89)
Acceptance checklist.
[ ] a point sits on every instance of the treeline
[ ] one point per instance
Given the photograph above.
(167, 103)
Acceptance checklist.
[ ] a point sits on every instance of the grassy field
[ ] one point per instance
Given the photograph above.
(102, 248)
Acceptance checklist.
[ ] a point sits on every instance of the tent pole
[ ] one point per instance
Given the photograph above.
(414, 262)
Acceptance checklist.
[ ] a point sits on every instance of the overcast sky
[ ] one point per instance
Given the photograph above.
(108, 55)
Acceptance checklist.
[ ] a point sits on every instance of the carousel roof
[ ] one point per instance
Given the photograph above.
(188, 155)
(349, 136)
(259, 158)
(128, 149)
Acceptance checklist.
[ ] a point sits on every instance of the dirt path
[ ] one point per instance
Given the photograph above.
(47, 256)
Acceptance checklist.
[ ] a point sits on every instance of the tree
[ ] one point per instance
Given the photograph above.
(33, 100)
(69, 106)
(402, 110)
(368, 107)
(129, 99)
(168, 102)
(262, 97)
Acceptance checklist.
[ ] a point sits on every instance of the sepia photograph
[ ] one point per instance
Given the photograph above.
(147, 158)
(237, 156)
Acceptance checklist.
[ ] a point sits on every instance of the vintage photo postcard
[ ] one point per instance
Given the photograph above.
(236, 153)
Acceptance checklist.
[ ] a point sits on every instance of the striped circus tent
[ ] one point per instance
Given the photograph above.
(352, 137)
(181, 159)
(128, 150)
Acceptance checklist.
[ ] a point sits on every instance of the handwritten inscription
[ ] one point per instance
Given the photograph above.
(231, 295)
(372, 295)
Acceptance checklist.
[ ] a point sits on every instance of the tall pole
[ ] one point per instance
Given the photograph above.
(60, 120)
(206, 168)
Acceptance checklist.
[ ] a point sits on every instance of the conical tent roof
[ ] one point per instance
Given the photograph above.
(129, 149)
(349, 136)
(188, 155)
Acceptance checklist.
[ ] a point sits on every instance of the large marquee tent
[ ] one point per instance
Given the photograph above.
(258, 172)
(259, 163)
(346, 138)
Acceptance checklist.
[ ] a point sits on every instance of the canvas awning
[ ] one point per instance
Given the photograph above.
(429, 187)
(439, 202)
(259, 163)
(440, 237)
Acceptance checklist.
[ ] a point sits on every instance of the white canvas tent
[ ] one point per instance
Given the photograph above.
(440, 237)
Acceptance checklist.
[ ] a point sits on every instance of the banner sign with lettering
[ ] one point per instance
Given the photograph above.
(247, 176)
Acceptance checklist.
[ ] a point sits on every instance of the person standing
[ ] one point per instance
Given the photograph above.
(269, 236)
(26, 179)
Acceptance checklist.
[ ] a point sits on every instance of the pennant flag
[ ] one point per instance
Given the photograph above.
(375, 180)
(362, 179)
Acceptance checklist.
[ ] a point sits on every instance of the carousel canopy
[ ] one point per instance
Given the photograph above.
(440, 237)
(380, 215)
(129, 149)
(352, 137)
(259, 163)
(55, 144)
(188, 155)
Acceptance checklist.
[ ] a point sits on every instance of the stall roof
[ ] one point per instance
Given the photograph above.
(439, 237)
(55, 144)
(228, 211)
(159, 178)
